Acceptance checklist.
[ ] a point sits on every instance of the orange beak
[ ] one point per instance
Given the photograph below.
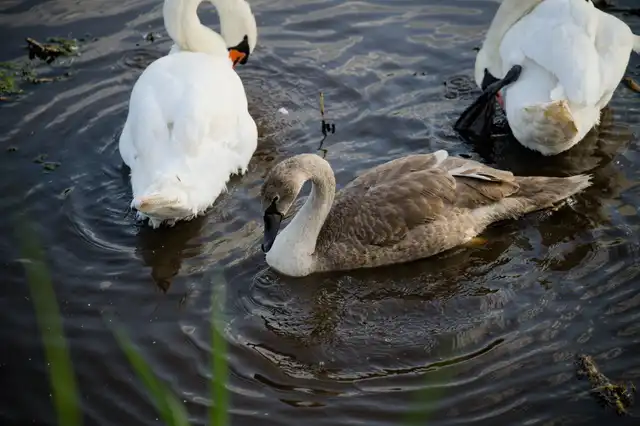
(236, 56)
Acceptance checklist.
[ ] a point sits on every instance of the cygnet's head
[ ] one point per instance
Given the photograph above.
(281, 188)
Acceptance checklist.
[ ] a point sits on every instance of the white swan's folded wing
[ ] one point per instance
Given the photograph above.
(564, 46)
(614, 42)
(185, 103)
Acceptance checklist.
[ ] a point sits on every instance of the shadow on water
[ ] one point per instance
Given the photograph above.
(165, 250)
(477, 335)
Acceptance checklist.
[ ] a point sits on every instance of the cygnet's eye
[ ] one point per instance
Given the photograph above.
(276, 198)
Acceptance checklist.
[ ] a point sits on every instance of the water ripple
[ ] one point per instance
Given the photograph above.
(477, 335)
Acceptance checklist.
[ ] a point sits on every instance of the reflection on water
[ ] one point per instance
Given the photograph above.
(478, 335)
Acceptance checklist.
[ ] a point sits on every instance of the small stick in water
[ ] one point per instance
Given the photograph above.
(326, 127)
(618, 396)
(633, 85)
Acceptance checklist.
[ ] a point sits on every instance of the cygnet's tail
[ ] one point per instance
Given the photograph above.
(543, 192)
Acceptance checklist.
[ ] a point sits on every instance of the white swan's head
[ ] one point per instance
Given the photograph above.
(238, 27)
(484, 61)
(509, 12)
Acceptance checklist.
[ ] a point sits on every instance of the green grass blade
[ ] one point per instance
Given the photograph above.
(427, 396)
(171, 410)
(219, 409)
(64, 388)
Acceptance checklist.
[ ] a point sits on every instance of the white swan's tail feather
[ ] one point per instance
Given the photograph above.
(164, 205)
(636, 44)
(167, 197)
(552, 118)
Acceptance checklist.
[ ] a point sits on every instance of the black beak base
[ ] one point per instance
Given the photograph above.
(243, 47)
(272, 221)
(476, 121)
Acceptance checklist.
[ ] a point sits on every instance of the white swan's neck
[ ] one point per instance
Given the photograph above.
(293, 250)
(189, 34)
(509, 12)
(236, 22)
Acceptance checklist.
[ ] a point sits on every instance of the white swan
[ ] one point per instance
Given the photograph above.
(188, 127)
(571, 58)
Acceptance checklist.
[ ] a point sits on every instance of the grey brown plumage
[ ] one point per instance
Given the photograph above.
(412, 207)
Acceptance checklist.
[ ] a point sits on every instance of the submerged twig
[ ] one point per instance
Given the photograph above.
(633, 85)
(618, 396)
(326, 127)
(48, 52)
(14, 73)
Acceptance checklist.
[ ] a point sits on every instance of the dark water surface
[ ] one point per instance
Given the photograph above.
(479, 336)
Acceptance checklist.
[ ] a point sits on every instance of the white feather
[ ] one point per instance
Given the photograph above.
(188, 128)
(573, 57)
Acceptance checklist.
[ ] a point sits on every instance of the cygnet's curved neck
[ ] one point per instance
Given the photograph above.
(309, 220)
(294, 247)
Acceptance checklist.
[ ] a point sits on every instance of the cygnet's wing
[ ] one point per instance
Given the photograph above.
(381, 206)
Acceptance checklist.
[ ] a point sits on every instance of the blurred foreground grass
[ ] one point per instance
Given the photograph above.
(172, 412)
(62, 379)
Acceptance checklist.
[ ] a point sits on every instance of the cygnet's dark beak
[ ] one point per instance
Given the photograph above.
(272, 221)
(476, 121)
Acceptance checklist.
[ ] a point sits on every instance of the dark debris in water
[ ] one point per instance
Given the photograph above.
(327, 127)
(8, 85)
(633, 85)
(50, 166)
(151, 37)
(40, 159)
(47, 166)
(49, 52)
(14, 74)
(65, 193)
(618, 396)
